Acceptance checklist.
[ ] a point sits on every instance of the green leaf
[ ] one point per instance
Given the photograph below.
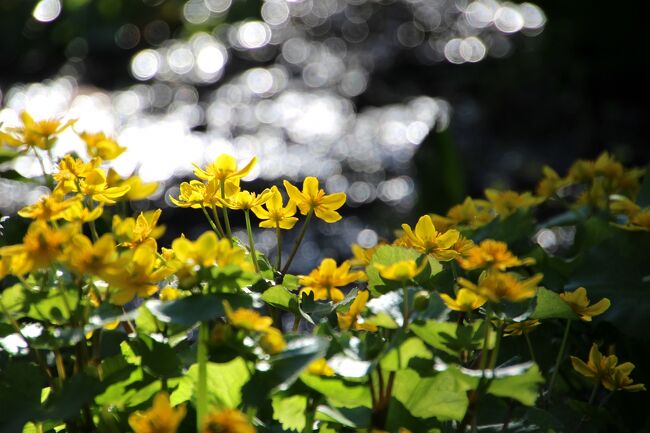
(280, 297)
(441, 396)
(315, 311)
(516, 229)
(225, 382)
(20, 395)
(48, 305)
(198, 308)
(551, 306)
(520, 382)
(284, 367)
(75, 394)
(158, 359)
(398, 358)
(7, 155)
(339, 393)
(290, 411)
(387, 255)
(451, 338)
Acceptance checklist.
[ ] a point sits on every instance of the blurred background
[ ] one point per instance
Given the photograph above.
(406, 105)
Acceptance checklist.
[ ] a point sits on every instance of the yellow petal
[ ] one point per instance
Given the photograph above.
(582, 368)
(329, 216)
(425, 229)
(310, 187)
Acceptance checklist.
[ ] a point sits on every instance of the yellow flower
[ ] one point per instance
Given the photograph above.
(325, 280)
(84, 257)
(41, 134)
(94, 185)
(428, 240)
(320, 367)
(506, 203)
(207, 251)
(48, 208)
(80, 213)
(622, 204)
(473, 213)
(604, 369)
(170, 293)
(196, 194)
(275, 215)
(138, 190)
(362, 256)
(640, 221)
(311, 198)
(551, 183)
(579, 303)
(498, 286)
(246, 200)
(403, 270)
(135, 274)
(519, 328)
(227, 421)
(493, 254)
(161, 418)
(41, 247)
(101, 146)
(273, 341)
(248, 319)
(350, 320)
(223, 168)
(136, 231)
(71, 170)
(466, 301)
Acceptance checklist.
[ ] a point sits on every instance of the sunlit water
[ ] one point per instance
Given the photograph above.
(282, 89)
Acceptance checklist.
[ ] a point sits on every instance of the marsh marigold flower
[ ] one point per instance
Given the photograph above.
(466, 301)
(48, 208)
(426, 239)
(579, 303)
(471, 212)
(607, 371)
(223, 168)
(245, 200)
(41, 134)
(312, 198)
(227, 421)
(273, 341)
(320, 367)
(520, 328)
(136, 231)
(101, 146)
(350, 319)
(492, 254)
(505, 203)
(403, 270)
(324, 281)
(138, 190)
(499, 286)
(41, 247)
(246, 318)
(275, 215)
(86, 257)
(160, 418)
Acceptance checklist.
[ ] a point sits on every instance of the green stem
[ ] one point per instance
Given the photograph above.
(530, 348)
(93, 230)
(217, 221)
(560, 355)
(497, 345)
(251, 242)
(278, 236)
(202, 380)
(486, 338)
(405, 307)
(37, 355)
(214, 227)
(303, 230)
(224, 209)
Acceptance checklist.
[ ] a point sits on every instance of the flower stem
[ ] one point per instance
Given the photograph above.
(405, 306)
(497, 345)
(217, 221)
(225, 210)
(560, 355)
(278, 236)
(486, 338)
(298, 242)
(530, 348)
(251, 242)
(214, 227)
(202, 379)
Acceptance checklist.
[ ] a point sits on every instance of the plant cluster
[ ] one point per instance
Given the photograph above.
(105, 330)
